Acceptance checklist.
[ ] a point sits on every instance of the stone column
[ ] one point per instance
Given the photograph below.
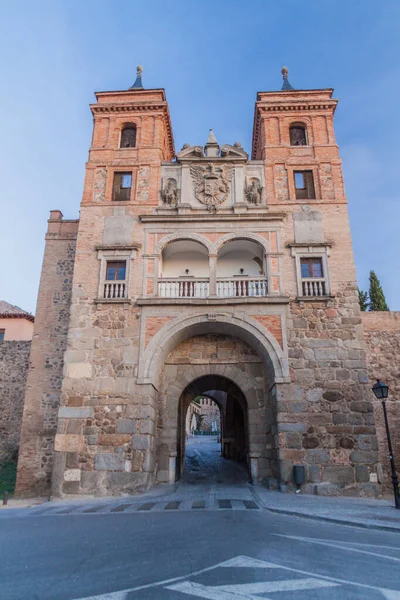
(254, 456)
(213, 275)
(172, 467)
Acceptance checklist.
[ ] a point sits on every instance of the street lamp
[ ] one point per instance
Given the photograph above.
(381, 391)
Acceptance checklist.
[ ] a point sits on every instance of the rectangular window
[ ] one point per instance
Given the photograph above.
(116, 271)
(2, 333)
(311, 268)
(304, 185)
(122, 186)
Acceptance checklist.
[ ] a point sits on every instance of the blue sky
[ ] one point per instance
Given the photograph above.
(211, 57)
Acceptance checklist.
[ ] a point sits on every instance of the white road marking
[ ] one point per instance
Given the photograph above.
(246, 561)
(246, 590)
(238, 561)
(337, 545)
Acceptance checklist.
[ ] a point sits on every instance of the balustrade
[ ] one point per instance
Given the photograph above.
(114, 289)
(313, 287)
(229, 287)
(183, 288)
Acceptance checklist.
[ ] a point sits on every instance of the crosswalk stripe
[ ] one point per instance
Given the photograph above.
(286, 585)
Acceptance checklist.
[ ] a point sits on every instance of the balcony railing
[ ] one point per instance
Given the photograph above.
(183, 288)
(114, 289)
(313, 287)
(228, 287)
(234, 287)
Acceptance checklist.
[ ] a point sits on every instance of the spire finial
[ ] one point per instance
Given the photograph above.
(286, 85)
(211, 148)
(138, 83)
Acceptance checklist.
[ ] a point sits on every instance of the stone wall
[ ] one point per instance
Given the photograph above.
(382, 340)
(14, 362)
(325, 418)
(43, 386)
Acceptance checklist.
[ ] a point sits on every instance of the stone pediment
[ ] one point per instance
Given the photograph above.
(190, 152)
(235, 151)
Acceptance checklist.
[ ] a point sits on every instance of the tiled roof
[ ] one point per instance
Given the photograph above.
(10, 311)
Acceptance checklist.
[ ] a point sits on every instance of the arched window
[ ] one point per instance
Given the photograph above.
(298, 135)
(128, 137)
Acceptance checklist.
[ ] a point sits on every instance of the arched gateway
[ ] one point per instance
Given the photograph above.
(228, 358)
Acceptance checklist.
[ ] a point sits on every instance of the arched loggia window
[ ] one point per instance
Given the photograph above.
(298, 135)
(128, 137)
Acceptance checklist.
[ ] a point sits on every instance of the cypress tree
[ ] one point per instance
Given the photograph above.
(363, 299)
(377, 299)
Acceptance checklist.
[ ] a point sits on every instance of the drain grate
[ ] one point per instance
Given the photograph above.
(224, 504)
(173, 505)
(147, 506)
(120, 507)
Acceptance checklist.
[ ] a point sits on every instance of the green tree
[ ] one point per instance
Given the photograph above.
(377, 299)
(363, 299)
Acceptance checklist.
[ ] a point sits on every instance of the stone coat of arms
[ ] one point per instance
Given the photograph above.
(211, 184)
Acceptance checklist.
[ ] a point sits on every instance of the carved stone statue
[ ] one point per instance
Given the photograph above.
(253, 192)
(169, 194)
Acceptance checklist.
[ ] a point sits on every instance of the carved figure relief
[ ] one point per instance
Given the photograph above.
(169, 195)
(253, 192)
(211, 184)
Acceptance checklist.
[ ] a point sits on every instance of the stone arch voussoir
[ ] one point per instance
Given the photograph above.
(243, 327)
(180, 236)
(246, 235)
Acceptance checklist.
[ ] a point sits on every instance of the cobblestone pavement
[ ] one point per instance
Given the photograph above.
(212, 483)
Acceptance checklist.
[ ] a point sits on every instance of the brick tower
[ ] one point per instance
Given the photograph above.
(202, 273)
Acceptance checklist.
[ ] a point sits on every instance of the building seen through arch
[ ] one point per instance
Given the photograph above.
(201, 273)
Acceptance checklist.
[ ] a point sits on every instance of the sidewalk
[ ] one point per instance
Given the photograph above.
(360, 512)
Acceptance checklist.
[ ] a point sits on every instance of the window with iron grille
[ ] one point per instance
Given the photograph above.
(304, 185)
(128, 137)
(2, 333)
(122, 186)
(298, 135)
(115, 270)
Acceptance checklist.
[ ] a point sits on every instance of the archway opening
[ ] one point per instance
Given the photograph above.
(212, 433)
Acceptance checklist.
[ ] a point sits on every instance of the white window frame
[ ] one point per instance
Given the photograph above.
(322, 252)
(115, 254)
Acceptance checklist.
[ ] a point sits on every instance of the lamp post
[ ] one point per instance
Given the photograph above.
(381, 391)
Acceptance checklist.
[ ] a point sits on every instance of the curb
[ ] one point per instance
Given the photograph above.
(292, 513)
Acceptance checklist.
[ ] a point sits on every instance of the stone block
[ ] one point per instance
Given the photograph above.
(78, 370)
(298, 407)
(92, 440)
(318, 456)
(310, 442)
(128, 482)
(362, 473)
(346, 443)
(113, 439)
(71, 487)
(72, 475)
(140, 442)
(292, 427)
(147, 426)
(75, 412)
(338, 474)
(367, 442)
(325, 353)
(332, 395)
(126, 426)
(72, 461)
(314, 395)
(314, 473)
(68, 443)
(362, 406)
(109, 462)
(293, 440)
(363, 456)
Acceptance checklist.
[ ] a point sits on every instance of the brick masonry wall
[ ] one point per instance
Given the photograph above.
(382, 341)
(43, 387)
(14, 362)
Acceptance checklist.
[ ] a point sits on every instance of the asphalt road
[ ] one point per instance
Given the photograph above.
(198, 549)
(80, 556)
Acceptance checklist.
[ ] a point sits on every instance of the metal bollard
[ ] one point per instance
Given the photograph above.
(5, 498)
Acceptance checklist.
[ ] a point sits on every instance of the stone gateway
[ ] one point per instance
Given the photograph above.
(201, 273)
